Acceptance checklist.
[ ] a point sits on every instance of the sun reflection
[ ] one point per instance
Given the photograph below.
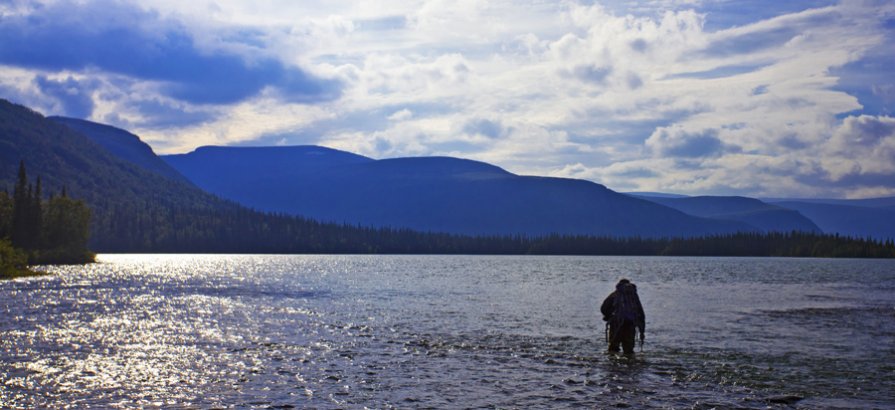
(136, 330)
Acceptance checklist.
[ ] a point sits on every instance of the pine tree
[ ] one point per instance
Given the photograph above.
(20, 209)
(35, 218)
(5, 215)
(66, 230)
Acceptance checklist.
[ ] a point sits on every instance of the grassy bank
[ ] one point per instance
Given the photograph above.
(14, 262)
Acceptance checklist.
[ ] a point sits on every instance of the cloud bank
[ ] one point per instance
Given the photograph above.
(791, 99)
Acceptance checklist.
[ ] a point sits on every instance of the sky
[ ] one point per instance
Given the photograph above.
(760, 98)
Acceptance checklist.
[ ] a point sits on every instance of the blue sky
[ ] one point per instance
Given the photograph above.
(759, 98)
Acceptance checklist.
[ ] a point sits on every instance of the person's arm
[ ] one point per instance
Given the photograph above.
(640, 310)
(642, 323)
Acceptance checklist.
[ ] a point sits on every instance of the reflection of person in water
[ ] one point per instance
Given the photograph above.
(624, 315)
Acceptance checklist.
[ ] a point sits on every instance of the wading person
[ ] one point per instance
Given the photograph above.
(623, 315)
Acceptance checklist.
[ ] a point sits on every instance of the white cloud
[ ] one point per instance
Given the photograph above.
(401, 115)
(863, 145)
(240, 124)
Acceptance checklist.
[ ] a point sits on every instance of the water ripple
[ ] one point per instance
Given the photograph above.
(205, 331)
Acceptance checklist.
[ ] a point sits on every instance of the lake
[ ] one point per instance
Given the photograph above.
(260, 331)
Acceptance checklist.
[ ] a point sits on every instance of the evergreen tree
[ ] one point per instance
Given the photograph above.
(5, 215)
(51, 231)
(66, 230)
(35, 218)
(21, 209)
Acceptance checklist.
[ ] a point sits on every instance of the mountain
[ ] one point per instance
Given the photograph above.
(122, 144)
(885, 202)
(849, 220)
(647, 194)
(216, 169)
(767, 217)
(862, 218)
(132, 206)
(63, 157)
(438, 194)
(138, 210)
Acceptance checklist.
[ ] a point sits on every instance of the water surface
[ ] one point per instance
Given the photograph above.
(206, 331)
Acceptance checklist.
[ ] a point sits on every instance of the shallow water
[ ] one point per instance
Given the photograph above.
(204, 331)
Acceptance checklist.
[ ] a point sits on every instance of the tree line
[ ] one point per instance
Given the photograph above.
(154, 229)
(770, 244)
(39, 230)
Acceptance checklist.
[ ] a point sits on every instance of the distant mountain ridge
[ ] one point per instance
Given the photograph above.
(439, 194)
(884, 202)
(850, 220)
(767, 217)
(861, 218)
(285, 162)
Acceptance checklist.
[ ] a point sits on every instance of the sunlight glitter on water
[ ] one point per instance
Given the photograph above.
(110, 333)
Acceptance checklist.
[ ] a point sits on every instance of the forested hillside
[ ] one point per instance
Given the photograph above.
(122, 195)
(137, 210)
(122, 144)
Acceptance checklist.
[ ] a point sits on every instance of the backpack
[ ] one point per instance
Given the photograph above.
(627, 307)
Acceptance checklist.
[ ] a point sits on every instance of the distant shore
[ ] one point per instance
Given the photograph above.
(17, 263)
(21, 273)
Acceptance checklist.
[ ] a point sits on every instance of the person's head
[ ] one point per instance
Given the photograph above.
(624, 284)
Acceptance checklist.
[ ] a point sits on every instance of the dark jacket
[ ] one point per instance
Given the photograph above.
(608, 306)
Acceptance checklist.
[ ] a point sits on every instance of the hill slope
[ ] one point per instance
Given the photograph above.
(884, 202)
(216, 169)
(429, 193)
(122, 144)
(767, 217)
(127, 200)
(64, 157)
(856, 221)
